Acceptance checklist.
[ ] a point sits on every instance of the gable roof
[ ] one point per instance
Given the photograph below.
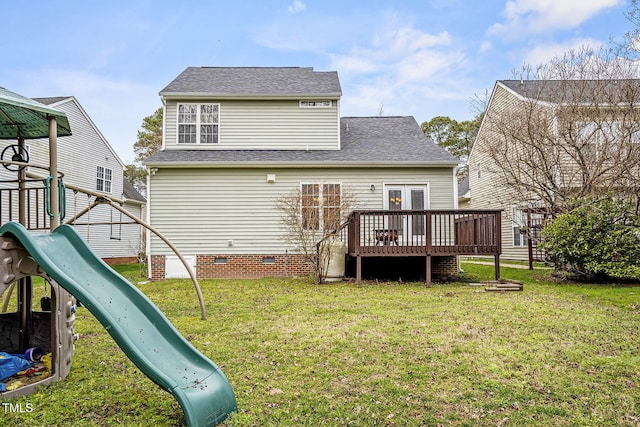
(248, 82)
(365, 142)
(576, 91)
(130, 192)
(463, 187)
(57, 101)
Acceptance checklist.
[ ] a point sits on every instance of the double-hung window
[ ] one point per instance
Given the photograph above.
(103, 179)
(605, 139)
(526, 225)
(198, 123)
(519, 223)
(320, 206)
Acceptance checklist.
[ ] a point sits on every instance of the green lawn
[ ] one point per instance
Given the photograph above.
(299, 354)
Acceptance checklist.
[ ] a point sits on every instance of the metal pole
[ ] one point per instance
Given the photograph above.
(22, 176)
(53, 170)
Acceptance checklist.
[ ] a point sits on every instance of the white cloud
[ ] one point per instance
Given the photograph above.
(403, 69)
(296, 7)
(538, 16)
(543, 53)
(485, 46)
(385, 59)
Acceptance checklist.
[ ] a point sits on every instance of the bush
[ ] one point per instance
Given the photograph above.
(597, 239)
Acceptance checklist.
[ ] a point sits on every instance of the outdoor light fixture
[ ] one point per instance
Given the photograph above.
(373, 187)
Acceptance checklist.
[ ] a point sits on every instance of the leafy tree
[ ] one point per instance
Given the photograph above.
(148, 143)
(150, 138)
(455, 137)
(596, 238)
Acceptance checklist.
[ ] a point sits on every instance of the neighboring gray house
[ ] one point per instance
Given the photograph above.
(556, 138)
(88, 161)
(237, 139)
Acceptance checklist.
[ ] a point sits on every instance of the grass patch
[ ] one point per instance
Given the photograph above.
(299, 354)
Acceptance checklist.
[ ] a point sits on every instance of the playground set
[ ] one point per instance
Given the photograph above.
(40, 340)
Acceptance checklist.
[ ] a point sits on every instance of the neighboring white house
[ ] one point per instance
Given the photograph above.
(88, 161)
(237, 139)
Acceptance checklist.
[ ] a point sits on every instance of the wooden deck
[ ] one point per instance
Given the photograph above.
(422, 233)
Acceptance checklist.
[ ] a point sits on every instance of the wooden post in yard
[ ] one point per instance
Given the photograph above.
(428, 248)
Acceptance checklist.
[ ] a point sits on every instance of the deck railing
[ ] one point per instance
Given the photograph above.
(423, 232)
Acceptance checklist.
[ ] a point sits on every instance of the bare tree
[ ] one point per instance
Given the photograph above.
(573, 132)
(313, 214)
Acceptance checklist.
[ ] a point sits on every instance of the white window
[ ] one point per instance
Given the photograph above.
(320, 206)
(103, 179)
(606, 138)
(521, 224)
(198, 123)
(315, 104)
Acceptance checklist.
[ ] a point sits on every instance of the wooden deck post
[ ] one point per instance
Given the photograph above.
(428, 247)
(358, 269)
(497, 266)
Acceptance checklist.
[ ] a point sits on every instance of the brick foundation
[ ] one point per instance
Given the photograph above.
(444, 266)
(121, 260)
(240, 266)
(157, 267)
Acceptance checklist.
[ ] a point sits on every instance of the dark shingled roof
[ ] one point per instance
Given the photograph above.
(254, 82)
(577, 91)
(51, 100)
(130, 192)
(463, 187)
(383, 141)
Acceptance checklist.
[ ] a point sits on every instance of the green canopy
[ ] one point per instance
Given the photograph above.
(23, 117)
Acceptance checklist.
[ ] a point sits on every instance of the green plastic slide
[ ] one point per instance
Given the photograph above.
(145, 335)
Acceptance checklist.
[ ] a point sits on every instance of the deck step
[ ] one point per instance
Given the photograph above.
(500, 285)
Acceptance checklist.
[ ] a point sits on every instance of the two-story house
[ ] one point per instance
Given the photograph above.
(543, 142)
(87, 161)
(237, 139)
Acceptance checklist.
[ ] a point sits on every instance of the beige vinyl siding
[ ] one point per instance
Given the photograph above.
(486, 193)
(273, 125)
(201, 210)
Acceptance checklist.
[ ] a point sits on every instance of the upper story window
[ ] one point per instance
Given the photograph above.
(103, 179)
(198, 123)
(315, 104)
(605, 139)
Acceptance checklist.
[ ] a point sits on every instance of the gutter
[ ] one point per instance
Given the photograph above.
(297, 165)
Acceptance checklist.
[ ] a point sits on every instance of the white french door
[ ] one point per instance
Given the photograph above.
(410, 228)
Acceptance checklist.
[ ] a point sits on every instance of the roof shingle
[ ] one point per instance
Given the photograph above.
(390, 141)
(254, 82)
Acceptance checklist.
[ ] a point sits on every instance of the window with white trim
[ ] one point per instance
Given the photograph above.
(519, 223)
(198, 123)
(103, 179)
(315, 104)
(320, 206)
(605, 138)
(522, 229)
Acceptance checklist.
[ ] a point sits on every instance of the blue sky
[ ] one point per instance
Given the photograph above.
(423, 58)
